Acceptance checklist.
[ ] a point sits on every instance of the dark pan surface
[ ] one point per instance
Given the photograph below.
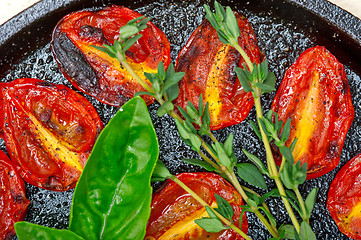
(284, 30)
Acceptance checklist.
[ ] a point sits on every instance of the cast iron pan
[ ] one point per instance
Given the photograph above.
(284, 30)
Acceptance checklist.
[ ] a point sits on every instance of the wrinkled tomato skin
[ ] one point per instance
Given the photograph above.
(49, 131)
(94, 72)
(344, 198)
(13, 201)
(316, 96)
(172, 207)
(209, 70)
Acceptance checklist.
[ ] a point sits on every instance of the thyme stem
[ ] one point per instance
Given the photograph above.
(201, 201)
(126, 65)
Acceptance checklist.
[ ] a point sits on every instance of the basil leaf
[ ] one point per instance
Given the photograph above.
(160, 172)
(112, 198)
(30, 231)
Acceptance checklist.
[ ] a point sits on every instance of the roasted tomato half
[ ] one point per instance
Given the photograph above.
(209, 66)
(49, 131)
(344, 198)
(13, 202)
(94, 72)
(315, 94)
(174, 211)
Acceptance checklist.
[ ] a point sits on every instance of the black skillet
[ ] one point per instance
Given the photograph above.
(284, 30)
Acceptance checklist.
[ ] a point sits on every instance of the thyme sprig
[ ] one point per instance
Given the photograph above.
(257, 79)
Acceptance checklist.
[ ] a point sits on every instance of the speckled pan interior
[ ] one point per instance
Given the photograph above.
(284, 30)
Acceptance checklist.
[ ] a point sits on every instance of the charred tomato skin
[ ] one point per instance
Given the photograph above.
(209, 70)
(13, 201)
(94, 72)
(344, 198)
(316, 96)
(172, 208)
(49, 131)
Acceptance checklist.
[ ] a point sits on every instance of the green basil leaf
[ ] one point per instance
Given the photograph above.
(112, 198)
(161, 172)
(200, 163)
(306, 232)
(310, 201)
(224, 208)
(29, 231)
(250, 173)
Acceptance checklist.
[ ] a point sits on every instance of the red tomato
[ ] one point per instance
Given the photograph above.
(174, 211)
(13, 202)
(94, 72)
(209, 66)
(49, 131)
(344, 198)
(315, 94)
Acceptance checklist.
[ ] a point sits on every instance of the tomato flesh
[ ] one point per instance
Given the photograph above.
(315, 94)
(209, 70)
(174, 211)
(94, 72)
(49, 131)
(13, 201)
(344, 198)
